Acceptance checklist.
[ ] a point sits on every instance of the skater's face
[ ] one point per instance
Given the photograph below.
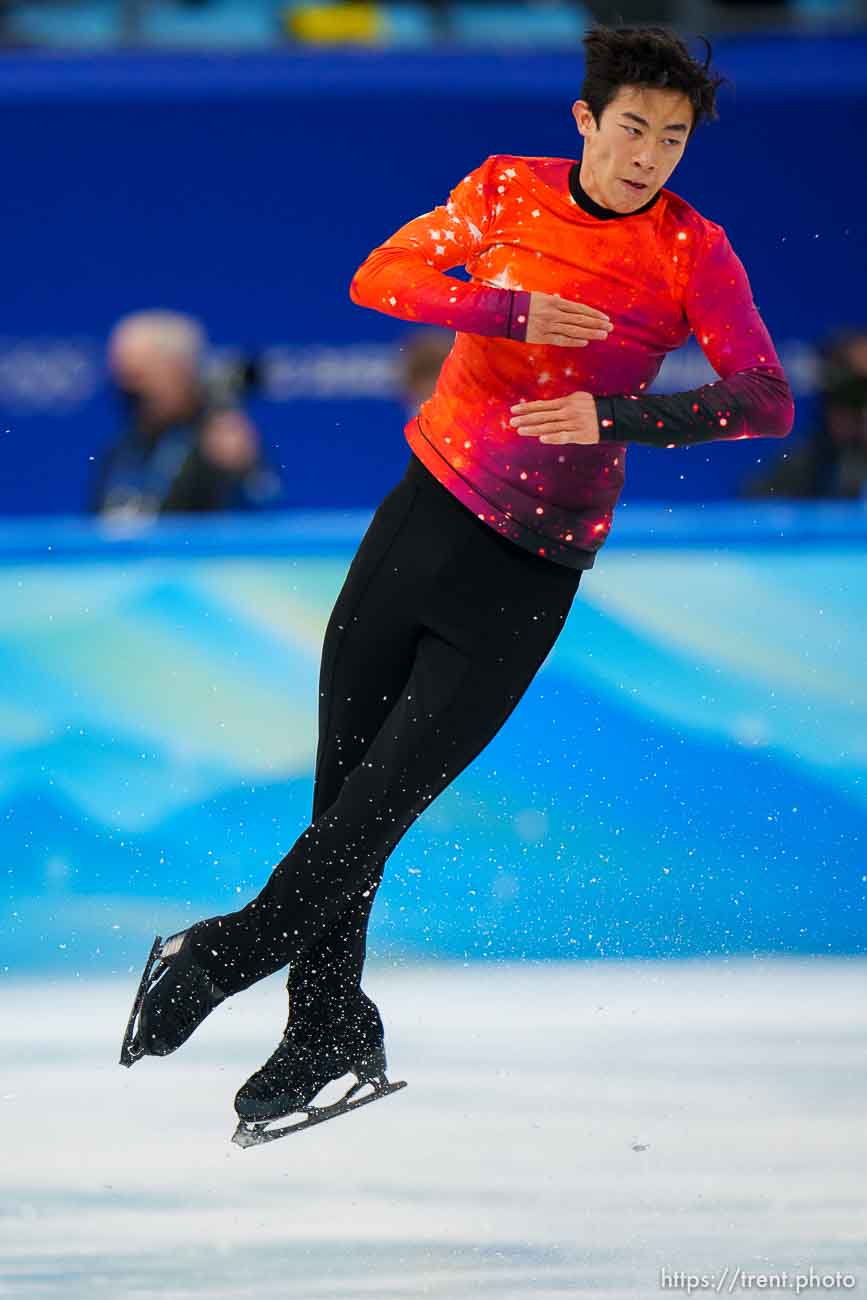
(640, 137)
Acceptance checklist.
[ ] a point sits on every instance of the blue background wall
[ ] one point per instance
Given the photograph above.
(247, 189)
(686, 775)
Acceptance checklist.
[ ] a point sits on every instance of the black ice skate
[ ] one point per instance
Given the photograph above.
(306, 1059)
(171, 1002)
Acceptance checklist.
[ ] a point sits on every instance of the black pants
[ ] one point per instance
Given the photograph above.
(438, 630)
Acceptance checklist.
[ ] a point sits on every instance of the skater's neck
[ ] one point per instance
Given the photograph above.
(583, 199)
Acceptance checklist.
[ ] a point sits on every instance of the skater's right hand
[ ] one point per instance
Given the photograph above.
(565, 324)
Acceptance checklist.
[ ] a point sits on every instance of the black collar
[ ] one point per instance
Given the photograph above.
(583, 199)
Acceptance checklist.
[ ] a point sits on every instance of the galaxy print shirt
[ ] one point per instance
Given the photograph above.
(522, 224)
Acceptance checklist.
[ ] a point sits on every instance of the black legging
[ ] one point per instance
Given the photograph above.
(439, 628)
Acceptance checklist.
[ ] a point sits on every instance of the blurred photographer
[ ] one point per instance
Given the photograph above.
(833, 461)
(186, 444)
(421, 360)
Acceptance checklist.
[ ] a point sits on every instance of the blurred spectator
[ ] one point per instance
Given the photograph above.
(356, 22)
(833, 460)
(421, 359)
(186, 445)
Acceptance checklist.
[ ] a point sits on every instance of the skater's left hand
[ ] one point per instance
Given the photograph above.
(571, 418)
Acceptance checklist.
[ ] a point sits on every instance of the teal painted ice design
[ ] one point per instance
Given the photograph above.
(688, 772)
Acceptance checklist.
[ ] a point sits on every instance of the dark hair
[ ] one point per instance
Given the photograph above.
(649, 57)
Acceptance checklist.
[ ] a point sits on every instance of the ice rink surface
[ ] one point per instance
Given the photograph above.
(567, 1129)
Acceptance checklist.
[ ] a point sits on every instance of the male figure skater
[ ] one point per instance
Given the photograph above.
(584, 275)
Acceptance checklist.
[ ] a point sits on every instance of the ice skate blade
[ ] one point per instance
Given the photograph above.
(130, 1050)
(249, 1133)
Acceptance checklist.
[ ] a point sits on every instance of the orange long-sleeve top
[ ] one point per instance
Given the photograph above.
(524, 224)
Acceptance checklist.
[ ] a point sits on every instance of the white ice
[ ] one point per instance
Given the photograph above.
(567, 1128)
